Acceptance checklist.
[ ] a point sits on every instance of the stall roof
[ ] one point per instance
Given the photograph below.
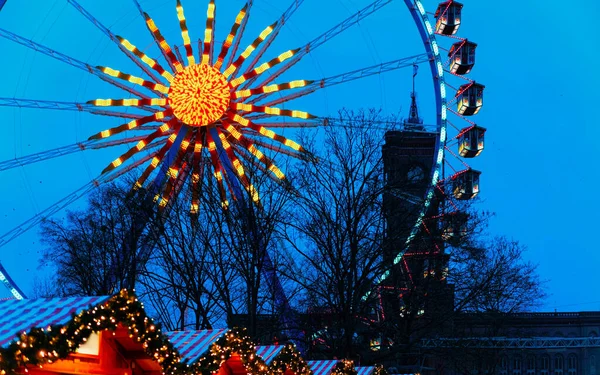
(192, 344)
(268, 353)
(322, 367)
(365, 370)
(17, 316)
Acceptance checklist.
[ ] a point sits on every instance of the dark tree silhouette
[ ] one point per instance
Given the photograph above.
(95, 250)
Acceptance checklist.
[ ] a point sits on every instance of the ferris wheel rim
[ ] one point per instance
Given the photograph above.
(436, 65)
(427, 34)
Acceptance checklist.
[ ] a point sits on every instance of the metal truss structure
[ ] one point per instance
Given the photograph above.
(512, 342)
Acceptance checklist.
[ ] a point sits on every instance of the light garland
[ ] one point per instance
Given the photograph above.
(379, 370)
(42, 346)
(289, 359)
(235, 341)
(344, 367)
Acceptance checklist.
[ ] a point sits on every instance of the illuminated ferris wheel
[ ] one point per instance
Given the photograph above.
(198, 103)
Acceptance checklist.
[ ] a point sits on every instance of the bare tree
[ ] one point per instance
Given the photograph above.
(493, 282)
(94, 251)
(44, 287)
(337, 229)
(208, 268)
(494, 277)
(326, 239)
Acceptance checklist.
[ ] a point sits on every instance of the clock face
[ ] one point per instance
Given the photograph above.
(415, 174)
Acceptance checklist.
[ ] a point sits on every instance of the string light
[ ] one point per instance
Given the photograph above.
(41, 346)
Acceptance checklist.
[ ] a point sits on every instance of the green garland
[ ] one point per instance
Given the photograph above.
(289, 359)
(41, 346)
(233, 342)
(344, 367)
(379, 370)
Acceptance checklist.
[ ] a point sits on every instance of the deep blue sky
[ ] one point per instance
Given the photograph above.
(538, 60)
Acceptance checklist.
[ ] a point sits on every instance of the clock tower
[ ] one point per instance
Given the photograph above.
(417, 286)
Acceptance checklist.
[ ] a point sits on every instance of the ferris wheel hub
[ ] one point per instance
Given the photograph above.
(199, 95)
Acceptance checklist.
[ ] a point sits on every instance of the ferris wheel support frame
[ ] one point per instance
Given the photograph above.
(427, 32)
(8, 281)
(318, 41)
(281, 301)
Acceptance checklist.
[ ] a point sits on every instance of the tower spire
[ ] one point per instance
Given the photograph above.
(414, 122)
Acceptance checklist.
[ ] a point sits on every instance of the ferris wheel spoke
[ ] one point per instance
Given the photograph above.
(261, 166)
(408, 197)
(157, 117)
(218, 173)
(240, 32)
(304, 155)
(143, 14)
(156, 161)
(173, 124)
(251, 148)
(150, 62)
(263, 68)
(313, 86)
(456, 157)
(286, 124)
(128, 102)
(165, 49)
(175, 168)
(264, 131)
(271, 89)
(272, 111)
(198, 171)
(330, 34)
(239, 20)
(41, 216)
(68, 60)
(141, 161)
(462, 117)
(282, 21)
(174, 63)
(458, 75)
(132, 56)
(45, 155)
(158, 182)
(63, 151)
(64, 202)
(238, 167)
(185, 35)
(233, 67)
(180, 182)
(209, 34)
(64, 106)
(156, 88)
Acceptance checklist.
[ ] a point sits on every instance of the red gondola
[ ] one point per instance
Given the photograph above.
(470, 98)
(448, 17)
(454, 227)
(466, 184)
(462, 57)
(471, 141)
